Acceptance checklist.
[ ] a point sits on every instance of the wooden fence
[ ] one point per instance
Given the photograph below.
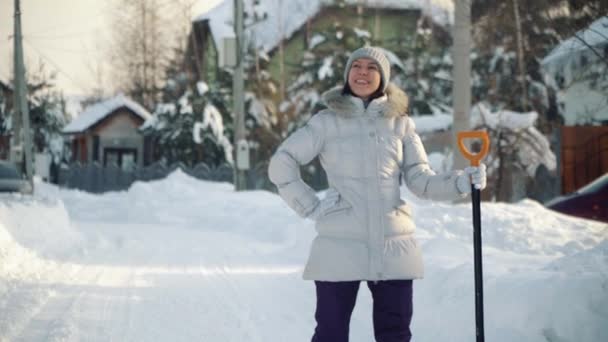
(584, 155)
(97, 179)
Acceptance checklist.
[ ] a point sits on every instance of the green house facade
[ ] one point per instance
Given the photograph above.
(390, 26)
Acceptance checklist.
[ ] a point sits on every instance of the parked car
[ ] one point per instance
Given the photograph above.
(590, 201)
(11, 180)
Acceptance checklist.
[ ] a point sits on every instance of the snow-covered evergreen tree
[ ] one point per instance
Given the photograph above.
(265, 116)
(421, 67)
(542, 25)
(323, 68)
(47, 113)
(4, 109)
(192, 124)
(425, 74)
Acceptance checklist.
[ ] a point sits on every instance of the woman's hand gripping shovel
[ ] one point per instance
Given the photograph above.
(475, 197)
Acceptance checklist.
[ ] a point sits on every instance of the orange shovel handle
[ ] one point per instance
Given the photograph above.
(485, 147)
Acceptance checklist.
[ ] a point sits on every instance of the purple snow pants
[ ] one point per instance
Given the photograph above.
(392, 312)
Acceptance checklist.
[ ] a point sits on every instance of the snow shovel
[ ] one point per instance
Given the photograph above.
(475, 197)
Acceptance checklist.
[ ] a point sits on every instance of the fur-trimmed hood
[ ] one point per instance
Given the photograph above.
(346, 105)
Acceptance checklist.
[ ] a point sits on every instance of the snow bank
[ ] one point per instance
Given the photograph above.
(16, 260)
(196, 260)
(33, 233)
(544, 274)
(587, 261)
(39, 224)
(525, 227)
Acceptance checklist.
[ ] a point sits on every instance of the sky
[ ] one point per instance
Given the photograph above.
(68, 36)
(181, 259)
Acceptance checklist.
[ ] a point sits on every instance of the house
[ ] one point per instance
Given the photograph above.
(579, 68)
(279, 36)
(206, 44)
(108, 133)
(290, 26)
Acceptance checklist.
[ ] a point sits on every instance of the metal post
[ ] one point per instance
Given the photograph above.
(16, 152)
(239, 102)
(475, 160)
(478, 264)
(21, 135)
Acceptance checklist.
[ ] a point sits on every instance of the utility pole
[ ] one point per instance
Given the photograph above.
(240, 142)
(21, 145)
(461, 74)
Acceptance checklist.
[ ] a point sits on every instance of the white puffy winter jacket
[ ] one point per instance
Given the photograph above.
(368, 234)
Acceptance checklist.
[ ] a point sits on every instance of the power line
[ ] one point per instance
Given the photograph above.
(60, 49)
(65, 25)
(59, 69)
(59, 36)
(49, 29)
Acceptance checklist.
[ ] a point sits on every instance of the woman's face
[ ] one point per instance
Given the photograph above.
(364, 77)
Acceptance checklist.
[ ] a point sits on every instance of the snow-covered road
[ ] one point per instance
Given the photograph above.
(184, 260)
(152, 283)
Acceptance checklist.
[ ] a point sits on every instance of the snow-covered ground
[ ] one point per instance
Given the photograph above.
(187, 260)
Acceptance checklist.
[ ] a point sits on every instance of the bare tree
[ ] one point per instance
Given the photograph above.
(97, 65)
(142, 40)
(520, 55)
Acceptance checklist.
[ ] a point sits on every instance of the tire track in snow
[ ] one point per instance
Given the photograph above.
(51, 322)
(121, 292)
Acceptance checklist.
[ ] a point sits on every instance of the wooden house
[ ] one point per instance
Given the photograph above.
(578, 66)
(108, 133)
(283, 30)
(280, 34)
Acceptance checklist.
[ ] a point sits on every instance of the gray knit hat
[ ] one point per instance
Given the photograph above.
(378, 56)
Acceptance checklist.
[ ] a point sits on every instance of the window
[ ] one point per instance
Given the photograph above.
(124, 158)
(128, 161)
(111, 158)
(96, 148)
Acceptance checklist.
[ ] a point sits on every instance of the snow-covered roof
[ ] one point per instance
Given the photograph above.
(574, 63)
(595, 35)
(291, 15)
(288, 15)
(99, 111)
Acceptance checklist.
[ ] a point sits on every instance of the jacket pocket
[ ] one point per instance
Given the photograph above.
(335, 209)
(339, 221)
(399, 220)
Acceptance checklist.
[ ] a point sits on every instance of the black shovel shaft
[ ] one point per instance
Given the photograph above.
(475, 196)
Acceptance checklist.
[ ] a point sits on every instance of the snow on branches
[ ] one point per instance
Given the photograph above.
(212, 120)
(514, 136)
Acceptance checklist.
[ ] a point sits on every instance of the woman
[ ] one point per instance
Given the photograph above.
(365, 141)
